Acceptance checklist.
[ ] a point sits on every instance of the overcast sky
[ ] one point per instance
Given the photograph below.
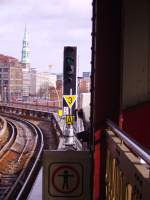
(52, 24)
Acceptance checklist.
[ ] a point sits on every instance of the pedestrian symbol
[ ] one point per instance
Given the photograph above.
(66, 177)
(69, 119)
(65, 180)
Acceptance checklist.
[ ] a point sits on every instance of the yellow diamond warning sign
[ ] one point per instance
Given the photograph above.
(70, 99)
(69, 119)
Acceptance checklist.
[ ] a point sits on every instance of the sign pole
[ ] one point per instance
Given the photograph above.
(69, 133)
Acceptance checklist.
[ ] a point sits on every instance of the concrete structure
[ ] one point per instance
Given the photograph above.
(10, 79)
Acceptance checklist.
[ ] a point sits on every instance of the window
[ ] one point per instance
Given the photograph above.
(5, 82)
(5, 69)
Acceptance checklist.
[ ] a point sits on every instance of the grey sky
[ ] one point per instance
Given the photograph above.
(52, 24)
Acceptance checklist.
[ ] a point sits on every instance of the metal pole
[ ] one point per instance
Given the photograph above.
(69, 133)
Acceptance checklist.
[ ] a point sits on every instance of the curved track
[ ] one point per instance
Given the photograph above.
(19, 158)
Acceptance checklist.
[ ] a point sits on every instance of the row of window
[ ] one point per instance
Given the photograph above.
(4, 82)
(4, 76)
(4, 69)
(25, 44)
(25, 55)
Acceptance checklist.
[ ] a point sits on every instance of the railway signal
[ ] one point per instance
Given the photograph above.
(69, 70)
(69, 74)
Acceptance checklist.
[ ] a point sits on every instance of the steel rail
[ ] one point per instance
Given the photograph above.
(20, 188)
(1, 123)
(7, 147)
(4, 125)
(129, 142)
(11, 139)
(30, 175)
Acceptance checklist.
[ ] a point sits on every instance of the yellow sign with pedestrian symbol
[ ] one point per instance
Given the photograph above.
(69, 119)
(70, 99)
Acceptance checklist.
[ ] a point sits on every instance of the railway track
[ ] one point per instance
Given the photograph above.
(19, 158)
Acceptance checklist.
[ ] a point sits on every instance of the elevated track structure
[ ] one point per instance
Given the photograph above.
(120, 92)
(127, 174)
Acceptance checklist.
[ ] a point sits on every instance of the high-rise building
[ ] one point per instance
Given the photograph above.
(25, 60)
(10, 79)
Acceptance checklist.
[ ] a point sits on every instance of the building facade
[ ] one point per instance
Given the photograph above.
(10, 79)
(86, 75)
(85, 82)
(41, 82)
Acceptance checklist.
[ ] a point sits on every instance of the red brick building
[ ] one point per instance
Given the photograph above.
(10, 78)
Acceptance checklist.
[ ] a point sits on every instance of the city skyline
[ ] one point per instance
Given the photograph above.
(51, 26)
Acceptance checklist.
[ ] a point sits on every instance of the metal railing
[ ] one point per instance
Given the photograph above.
(127, 178)
(130, 143)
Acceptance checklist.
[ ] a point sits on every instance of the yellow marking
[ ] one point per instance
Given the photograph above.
(60, 113)
(70, 99)
(69, 119)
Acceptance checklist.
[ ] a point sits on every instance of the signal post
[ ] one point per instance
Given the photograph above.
(69, 91)
(66, 173)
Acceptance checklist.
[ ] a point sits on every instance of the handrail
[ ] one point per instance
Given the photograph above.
(134, 147)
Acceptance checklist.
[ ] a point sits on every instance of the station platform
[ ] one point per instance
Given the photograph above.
(36, 191)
